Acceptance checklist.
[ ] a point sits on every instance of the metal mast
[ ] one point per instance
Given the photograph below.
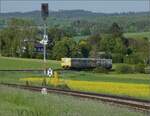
(44, 14)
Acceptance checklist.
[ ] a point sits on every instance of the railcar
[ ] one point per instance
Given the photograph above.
(83, 63)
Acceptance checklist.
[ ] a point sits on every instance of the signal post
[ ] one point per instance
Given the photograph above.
(44, 41)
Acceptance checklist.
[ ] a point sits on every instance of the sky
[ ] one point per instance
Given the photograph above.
(105, 6)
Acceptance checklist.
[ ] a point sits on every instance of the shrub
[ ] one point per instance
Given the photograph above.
(140, 68)
(27, 83)
(133, 59)
(39, 56)
(147, 70)
(44, 83)
(124, 68)
(101, 70)
(117, 58)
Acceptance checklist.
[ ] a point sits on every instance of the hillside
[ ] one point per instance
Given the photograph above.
(131, 22)
(70, 14)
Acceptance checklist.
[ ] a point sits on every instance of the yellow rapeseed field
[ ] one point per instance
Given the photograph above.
(126, 89)
(53, 81)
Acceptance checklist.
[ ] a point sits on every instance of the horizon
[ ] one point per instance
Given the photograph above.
(101, 6)
(77, 10)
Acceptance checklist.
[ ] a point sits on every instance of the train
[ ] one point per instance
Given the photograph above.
(85, 63)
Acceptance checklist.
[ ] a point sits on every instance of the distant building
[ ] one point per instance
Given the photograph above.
(39, 47)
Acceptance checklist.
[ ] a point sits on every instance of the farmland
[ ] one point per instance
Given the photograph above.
(133, 85)
(139, 35)
(114, 88)
(123, 89)
(16, 63)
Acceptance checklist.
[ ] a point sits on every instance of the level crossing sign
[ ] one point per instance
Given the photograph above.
(49, 72)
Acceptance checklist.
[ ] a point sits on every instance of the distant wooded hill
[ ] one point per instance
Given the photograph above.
(86, 20)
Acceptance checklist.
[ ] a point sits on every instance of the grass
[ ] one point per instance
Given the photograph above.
(22, 63)
(13, 77)
(138, 35)
(112, 77)
(7, 63)
(15, 102)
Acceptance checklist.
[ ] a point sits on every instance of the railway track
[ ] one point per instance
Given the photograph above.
(22, 70)
(143, 105)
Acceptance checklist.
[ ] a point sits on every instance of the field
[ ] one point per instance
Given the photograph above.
(15, 102)
(138, 35)
(105, 83)
(20, 63)
(132, 85)
(78, 38)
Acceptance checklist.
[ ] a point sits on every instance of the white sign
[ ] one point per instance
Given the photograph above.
(44, 91)
(49, 72)
(45, 37)
(44, 42)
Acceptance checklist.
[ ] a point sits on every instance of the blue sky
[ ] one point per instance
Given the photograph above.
(106, 6)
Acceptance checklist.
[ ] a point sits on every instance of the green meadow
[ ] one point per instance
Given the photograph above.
(140, 35)
(7, 63)
(137, 35)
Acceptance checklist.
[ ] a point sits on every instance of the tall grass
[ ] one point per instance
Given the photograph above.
(15, 102)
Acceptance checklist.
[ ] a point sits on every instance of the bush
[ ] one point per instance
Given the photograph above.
(133, 59)
(44, 83)
(117, 58)
(124, 68)
(39, 56)
(147, 70)
(140, 68)
(101, 70)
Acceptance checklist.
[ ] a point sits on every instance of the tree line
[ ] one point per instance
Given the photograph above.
(85, 22)
(19, 39)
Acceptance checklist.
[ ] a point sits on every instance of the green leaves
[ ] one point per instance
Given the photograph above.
(64, 48)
